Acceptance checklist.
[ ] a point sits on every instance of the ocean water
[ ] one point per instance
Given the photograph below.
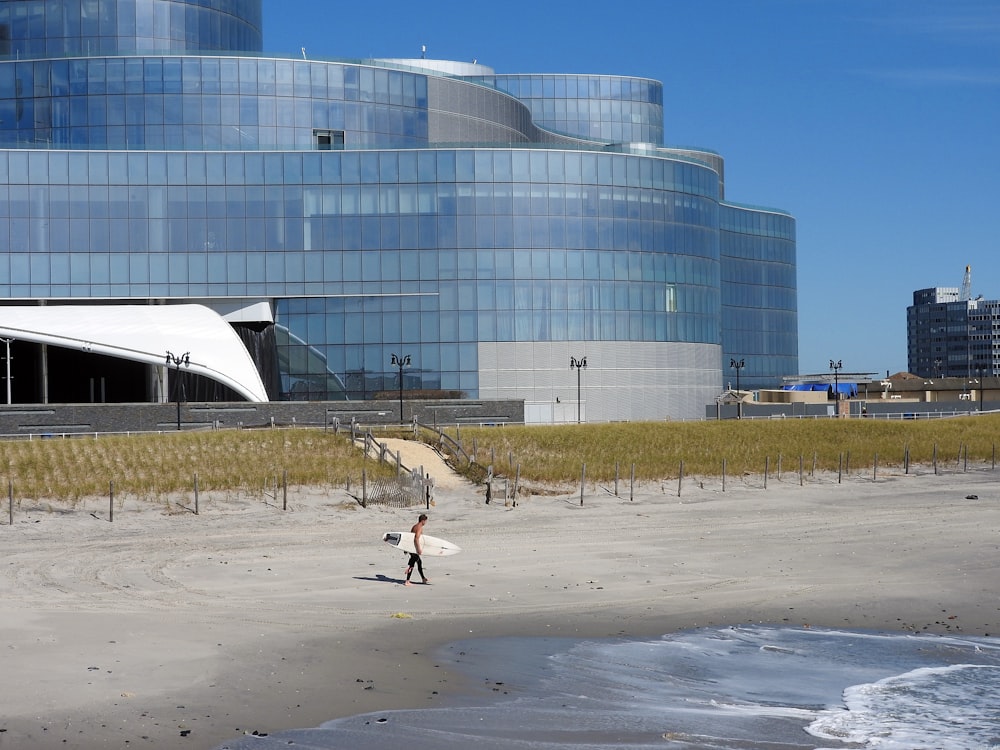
(734, 688)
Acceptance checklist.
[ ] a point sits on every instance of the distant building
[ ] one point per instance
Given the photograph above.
(948, 336)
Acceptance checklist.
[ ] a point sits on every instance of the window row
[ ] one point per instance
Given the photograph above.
(276, 234)
(250, 77)
(580, 87)
(399, 330)
(200, 109)
(495, 278)
(277, 169)
(753, 222)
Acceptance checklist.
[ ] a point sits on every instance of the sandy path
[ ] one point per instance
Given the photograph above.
(414, 455)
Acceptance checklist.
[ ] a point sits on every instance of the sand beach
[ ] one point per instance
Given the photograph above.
(163, 628)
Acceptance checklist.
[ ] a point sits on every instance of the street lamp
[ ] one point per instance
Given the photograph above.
(401, 361)
(835, 366)
(982, 384)
(579, 364)
(173, 359)
(739, 394)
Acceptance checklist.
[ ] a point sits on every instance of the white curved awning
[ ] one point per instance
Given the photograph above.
(143, 333)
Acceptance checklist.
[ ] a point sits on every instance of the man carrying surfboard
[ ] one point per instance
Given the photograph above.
(417, 531)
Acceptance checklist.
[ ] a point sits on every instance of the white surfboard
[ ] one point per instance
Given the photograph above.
(431, 545)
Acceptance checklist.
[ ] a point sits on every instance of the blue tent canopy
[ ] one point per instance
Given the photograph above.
(847, 389)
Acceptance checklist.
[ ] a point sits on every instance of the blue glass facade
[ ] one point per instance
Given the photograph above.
(488, 226)
(610, 109)
(759, 295)
(71, 28)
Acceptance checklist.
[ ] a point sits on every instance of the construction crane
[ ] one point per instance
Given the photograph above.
(966, 294)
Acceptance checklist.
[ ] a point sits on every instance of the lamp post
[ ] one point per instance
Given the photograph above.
(401, 361)
(739, 394)
(173, 359)
(579, 364)
(979, 372)
(835, 366)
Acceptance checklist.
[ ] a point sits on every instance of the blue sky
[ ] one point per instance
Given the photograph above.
(875, 123)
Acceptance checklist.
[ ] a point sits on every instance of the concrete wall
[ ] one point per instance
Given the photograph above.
(40, 419)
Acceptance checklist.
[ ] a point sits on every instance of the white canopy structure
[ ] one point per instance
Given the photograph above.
(143, 333)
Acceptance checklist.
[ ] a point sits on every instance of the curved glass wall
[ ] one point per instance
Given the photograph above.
(606, 109)
(436, 249)
(206, 102)
(43, 28)
(759, 295)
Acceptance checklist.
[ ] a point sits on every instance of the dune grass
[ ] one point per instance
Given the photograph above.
(555, 454)
(153, 466)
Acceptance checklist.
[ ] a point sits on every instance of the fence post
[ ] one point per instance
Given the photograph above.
(517, 480)
(111, 501)
(779, 468)
(616, 479)
(767, 468)
(196, 493)
(965, 465)
(840, 467)
(993, 466)
(813, 472)
(583, 480)
(875, 468)
(801, 478)
(935, 459)
(10, 496)
(631, 486)
(284, 490)
(906, 459)
(723, 475)
(364, 488)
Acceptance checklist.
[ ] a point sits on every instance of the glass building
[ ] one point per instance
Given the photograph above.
(336, 213)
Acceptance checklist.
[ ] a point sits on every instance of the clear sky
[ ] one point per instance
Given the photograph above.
(876, 123)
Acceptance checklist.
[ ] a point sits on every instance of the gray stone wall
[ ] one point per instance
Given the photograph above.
(58, 419)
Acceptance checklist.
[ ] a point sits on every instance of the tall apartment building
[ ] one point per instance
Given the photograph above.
(298, 227)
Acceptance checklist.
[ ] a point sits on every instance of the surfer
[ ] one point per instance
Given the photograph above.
(417, 530)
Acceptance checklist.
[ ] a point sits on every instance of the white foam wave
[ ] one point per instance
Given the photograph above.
(930, 708)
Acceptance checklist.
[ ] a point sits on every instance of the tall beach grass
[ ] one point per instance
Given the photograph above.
(555, 454)
(150, 467)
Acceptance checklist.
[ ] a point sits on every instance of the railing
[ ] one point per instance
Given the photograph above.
(408, 488)
(882, 415)
(443, 439)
